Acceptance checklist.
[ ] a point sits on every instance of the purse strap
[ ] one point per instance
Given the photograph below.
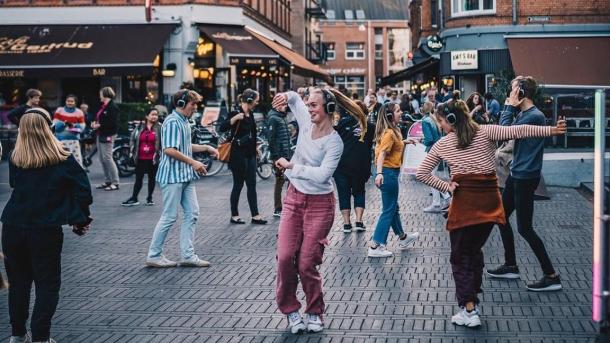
(235, 134)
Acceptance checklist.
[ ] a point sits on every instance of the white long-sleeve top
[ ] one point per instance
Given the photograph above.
(315, 160)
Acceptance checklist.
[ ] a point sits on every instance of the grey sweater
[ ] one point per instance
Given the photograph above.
(528, 152)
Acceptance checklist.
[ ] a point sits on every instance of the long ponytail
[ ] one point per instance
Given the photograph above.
(353, 109)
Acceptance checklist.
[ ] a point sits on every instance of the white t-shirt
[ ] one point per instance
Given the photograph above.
(315, 160)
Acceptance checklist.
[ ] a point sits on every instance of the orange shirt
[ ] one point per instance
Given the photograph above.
(392, 144)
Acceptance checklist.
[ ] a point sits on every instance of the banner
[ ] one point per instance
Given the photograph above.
(414, 154)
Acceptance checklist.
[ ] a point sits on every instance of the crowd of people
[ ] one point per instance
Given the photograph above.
(339, 138)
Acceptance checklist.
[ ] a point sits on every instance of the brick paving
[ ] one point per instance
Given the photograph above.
(109, 296)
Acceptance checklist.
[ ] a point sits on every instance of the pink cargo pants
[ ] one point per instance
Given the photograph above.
(306, 221)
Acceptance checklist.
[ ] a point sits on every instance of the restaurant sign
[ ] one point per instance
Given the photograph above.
(464, 60)
(253, 61)
(12, 73)
(20, 46)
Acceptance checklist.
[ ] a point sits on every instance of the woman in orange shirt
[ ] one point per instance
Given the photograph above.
(388, 158)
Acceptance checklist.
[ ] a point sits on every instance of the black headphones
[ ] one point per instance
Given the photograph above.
(449, 116)
(329, 101)
(42, 113)
(388, 113)
(181, 102)
(521, 93)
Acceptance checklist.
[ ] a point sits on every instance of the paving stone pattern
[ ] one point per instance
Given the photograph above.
(109, 296)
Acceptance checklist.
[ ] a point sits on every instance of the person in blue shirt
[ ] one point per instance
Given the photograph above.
(432, 134)
(518, 194)
(176, 174)
(492, 108)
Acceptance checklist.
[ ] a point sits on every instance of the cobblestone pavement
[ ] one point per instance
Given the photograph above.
(109, 296)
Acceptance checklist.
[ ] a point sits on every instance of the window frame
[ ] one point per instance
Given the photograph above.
(345, 12)
(355, 52)
(457, 13)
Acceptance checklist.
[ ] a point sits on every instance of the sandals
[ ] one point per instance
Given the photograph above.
(237, 221)
(103, 185)
(112, 187)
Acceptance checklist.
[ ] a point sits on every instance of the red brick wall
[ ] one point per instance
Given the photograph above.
(560, 11)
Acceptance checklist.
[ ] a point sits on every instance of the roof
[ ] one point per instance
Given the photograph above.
(373, 9)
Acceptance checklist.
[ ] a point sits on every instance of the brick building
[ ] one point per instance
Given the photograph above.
(364, 41)
(486, 37)
(78, 46)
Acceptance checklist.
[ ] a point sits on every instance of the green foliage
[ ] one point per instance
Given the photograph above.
(502, 84)
(131, 111)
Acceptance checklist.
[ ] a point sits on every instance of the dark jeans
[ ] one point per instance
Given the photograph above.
(518, 196)
(348, 186)
(145, 167)
(244, 170)
(467, 261)
(32, 255)
(280, 179)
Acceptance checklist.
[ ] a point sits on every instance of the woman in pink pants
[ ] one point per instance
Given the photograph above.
(309, 205)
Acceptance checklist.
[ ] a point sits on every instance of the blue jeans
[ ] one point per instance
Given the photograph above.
(175, 194)
(390, 215)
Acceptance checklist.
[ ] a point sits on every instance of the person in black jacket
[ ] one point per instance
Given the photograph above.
(107, 126)
(33, 96)
(279, 146)
(243, 155)
(50, 189)
(354, 168)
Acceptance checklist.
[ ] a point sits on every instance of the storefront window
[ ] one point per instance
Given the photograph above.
(472, 7)
(138, 88)
(353, 84)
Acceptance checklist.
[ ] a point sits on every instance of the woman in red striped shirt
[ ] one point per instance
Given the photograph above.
(469, 150)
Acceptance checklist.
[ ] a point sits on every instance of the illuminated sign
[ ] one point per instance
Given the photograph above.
(226, 36)
(20, 46)
(12, 73)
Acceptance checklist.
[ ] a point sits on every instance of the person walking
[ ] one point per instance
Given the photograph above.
(469, 150)
(388, 159)
(431, 135)
(176, 174)
(243, 155)
(106, 127)
(354, 168)
(521, 184)
(309, 205)
(373, 109)
(69, 123)
(145, 144)
(279, 147)
(33, 100)
(50, 189)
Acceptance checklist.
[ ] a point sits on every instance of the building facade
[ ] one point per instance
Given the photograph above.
(364, 41)
(146, 54)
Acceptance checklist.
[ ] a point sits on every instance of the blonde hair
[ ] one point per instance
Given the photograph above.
(352, 108)
(36, 146)
(383, 123)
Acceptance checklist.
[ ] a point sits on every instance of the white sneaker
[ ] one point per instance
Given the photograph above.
(464, 318)
(380, 251)
(433, 209)
(404, 243)
(21, 339)
(160, 262)
(314, 323)
(194, 261)
(295, 323)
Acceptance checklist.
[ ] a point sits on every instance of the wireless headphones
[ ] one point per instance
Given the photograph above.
(521, 93)
(329, 101)
(41, 112)
(181, 102)
(388, 113)
(449, 116)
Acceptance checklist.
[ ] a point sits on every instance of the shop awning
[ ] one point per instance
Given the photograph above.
(301, 65)
(562, 61)
(408, 73)
(240, 45)
(80, 50)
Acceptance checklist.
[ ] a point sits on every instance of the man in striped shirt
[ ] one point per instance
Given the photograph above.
(176, 173)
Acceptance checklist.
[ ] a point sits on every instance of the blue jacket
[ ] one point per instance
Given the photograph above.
(431, 132)
(528, 152)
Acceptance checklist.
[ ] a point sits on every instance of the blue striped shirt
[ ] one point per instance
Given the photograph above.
(176, 133)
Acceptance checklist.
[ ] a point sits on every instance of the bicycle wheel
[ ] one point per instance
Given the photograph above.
(123, 162)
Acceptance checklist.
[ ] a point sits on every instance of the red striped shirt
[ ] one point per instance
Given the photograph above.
(478, 157)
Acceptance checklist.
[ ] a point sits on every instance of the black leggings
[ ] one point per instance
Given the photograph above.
(518, 196)
(244, 170)
(145, 167)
